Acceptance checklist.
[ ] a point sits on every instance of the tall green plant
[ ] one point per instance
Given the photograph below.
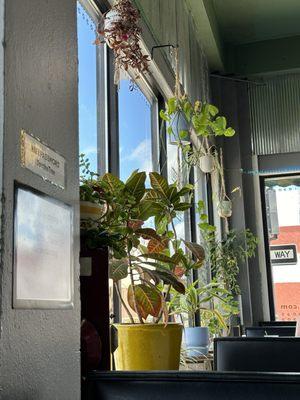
(225, 255)
(150, 257)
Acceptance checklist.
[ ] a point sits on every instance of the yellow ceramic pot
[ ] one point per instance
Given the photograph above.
(144, 347)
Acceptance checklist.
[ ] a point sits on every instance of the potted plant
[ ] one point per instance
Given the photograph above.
(148, 258)
(199, 298)
(120, 30)
(225, 254)
(92, 206)
(203, 122)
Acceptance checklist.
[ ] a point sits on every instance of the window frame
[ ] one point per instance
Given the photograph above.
(262, 180)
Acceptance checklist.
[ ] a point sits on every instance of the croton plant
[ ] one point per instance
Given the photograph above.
(153, 258)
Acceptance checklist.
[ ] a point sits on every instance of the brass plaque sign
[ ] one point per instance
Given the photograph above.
(41, 160)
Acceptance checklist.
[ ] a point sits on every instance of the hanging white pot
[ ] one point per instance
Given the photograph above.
(207, 163)
(225, 208)
(110, 19)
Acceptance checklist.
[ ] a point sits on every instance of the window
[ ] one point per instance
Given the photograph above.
(87, 96)
(136, 134)
(282, 215)
(137, 140)
(91, 89)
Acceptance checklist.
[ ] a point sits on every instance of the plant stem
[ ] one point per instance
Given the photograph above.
(123, 303)
(169, 286)
(133, 288)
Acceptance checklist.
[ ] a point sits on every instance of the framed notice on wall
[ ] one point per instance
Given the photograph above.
(43, 251)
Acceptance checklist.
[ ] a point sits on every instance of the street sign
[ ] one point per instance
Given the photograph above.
(285, 254)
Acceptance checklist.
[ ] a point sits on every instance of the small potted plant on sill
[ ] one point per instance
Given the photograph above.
(203, 121)
(120, 30)
(92, 206)
(199, 298)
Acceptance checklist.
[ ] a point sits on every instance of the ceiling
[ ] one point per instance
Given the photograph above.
(249, 36)
(247, 21)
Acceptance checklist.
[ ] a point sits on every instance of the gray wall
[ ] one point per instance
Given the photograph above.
(39, 350)
(275, 118)
(232, 99)
(170, 21)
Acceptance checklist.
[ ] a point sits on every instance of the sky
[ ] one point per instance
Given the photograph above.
(134, 115)
(134, 109)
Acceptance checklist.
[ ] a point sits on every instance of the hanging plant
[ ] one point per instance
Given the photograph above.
(224, 204)
(120, 30)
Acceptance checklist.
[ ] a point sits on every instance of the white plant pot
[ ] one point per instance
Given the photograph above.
(225, 208)
(110, 19)
(207, 163)
(196, 341)
(91, 211)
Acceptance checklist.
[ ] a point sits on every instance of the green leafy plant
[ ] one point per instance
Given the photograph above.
(211, 300)
(152, 259)
(226, 254)
(202, 119)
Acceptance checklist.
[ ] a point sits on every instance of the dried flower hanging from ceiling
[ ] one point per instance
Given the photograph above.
(120, 30)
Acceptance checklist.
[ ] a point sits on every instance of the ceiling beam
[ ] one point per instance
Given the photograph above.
(207, 27)
(269, 56)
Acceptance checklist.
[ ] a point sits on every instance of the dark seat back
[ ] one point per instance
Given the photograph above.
(257, 354)
(277, 323)
(192, 386)
(257, 331)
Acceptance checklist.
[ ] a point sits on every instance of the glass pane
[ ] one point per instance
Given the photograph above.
(134, 130)
(135, 146)
(177, 172)
(87, 96)
(283, 220)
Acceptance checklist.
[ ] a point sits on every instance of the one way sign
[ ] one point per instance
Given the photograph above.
(283, 254)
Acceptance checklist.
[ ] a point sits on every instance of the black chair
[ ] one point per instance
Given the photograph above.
(271, 354)
(277, 323)
(192, 386)
(258, 331)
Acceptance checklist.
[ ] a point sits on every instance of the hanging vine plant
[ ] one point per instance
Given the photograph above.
(121, 31)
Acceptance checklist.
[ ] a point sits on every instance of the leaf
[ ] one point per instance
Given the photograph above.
(112, 181)
(185, 190)
(212, 110)
(159, 183)
(118, 270)
(187, 109)
(182, 206)
(148, 300)
(221, 122)
(148, 233)
(147, 275)
(148, 209)
(152, 194)
(196, 250)
(172, 193)
(156, 246)
(163, 116)
(171, 279)
(171, 105)
(229, 132)
(179, 271)
(136, 185)
(183, 134)
(159, 257)
(170, 130)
